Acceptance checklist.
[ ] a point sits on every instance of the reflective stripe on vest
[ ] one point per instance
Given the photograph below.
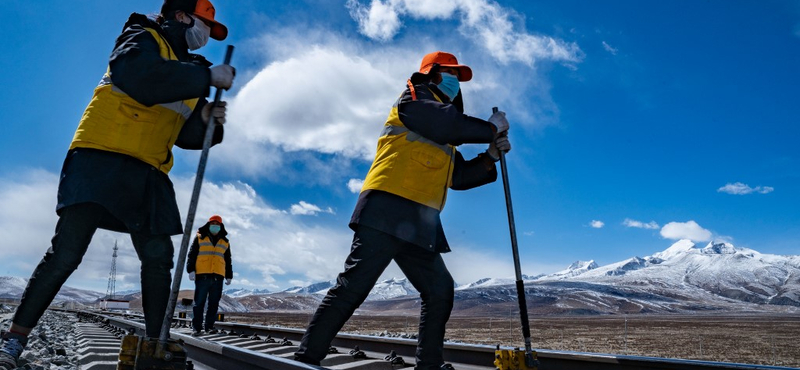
(115, 122)
(179, 107)
(210, 257)
(411, 166)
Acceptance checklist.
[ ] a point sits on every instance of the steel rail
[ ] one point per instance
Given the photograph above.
(240, 352)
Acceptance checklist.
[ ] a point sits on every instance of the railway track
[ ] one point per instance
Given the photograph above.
(245, 347)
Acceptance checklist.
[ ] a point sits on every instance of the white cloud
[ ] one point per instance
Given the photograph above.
(267, 244)
(610, 48)
(317, 104)
(597, 224)
(685, 230)
(354, 185)
(338, 110)
(307, 209)
(379, 21)
(483, 22)
(652, 225)
(739, 188)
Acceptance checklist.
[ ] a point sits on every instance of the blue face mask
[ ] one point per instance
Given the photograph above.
(449, 85)
(214, 229)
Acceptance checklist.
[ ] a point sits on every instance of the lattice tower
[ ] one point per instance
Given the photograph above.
(112, 275)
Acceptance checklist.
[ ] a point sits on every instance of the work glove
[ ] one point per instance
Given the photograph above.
(227, 281)
(191, 276)
(499, 144)
(222, 76)
(216, 110)
(498, 119)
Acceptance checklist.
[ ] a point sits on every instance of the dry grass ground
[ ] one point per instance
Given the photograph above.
(751, 339)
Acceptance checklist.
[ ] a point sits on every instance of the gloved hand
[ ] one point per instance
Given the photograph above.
(227, 281)
(222, 76)
(215, 110)
(501, 143)
(499, 121)
(191, 276)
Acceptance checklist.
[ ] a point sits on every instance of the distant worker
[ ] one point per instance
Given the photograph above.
(208, 264)
(115, 175)
(397, 213)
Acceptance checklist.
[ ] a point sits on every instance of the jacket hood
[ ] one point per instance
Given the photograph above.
(172, 30)
(141, 20)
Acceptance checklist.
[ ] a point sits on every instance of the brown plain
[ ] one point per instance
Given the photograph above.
(749, 339)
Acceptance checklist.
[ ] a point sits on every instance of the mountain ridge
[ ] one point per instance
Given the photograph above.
(683, 278)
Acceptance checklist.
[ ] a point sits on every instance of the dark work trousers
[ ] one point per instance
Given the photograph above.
(206, 286)
(74, 230)
(370, 254)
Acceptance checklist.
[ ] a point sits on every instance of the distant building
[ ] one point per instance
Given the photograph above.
(114, 304)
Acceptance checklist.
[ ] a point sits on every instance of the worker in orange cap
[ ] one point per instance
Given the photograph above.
(115, 175)
(397, 213)
(209, 263)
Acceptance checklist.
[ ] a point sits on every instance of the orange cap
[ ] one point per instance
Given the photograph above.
(215, 218)
(445, 60)
(205, 10)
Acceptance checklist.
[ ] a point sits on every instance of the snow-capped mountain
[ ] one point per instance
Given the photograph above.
(12, 287)
(485, 282)
(392, 288)
(718, 269)
(316, 288)
(239, 292)
(575, 269)
(684, 278)
(387, 289)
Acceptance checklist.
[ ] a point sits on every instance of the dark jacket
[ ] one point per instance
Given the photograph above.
(444, 123)
(195, 248)
(138, 197)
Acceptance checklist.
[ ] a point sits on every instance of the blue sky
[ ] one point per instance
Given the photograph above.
(633, 124)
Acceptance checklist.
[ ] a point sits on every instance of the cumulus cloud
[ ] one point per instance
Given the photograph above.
(610, 48)
(685, 230)
(597, 224)
(354, 185)
(497, 29)
(339, 113)
(307, 209)
(652, 225)
(739, 188)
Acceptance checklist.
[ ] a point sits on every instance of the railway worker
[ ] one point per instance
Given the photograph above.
(209, 263)
(397, 213)
(115, 175)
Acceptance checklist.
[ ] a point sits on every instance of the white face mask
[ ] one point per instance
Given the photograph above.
(197, 36)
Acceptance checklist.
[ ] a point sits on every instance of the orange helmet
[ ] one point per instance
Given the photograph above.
(445, 60)
(217, 218)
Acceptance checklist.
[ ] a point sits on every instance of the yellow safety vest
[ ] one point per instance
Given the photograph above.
(411, 166)
(210, 257)
(115, 122)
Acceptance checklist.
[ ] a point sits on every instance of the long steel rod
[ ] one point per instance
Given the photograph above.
(187, 231)
(523, 305)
